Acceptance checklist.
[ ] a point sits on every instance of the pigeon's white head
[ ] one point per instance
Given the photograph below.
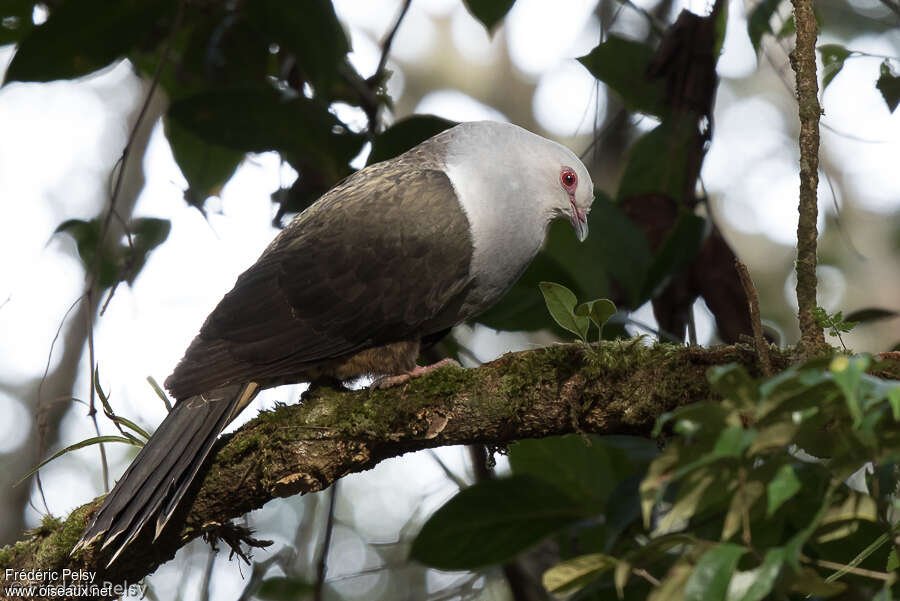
(505, 172)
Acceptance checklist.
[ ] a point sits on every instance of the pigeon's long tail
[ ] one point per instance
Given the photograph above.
(161, 474)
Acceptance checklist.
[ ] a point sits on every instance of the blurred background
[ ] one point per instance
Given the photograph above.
(60, 141)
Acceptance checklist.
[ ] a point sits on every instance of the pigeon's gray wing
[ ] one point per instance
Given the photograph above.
(383, 257)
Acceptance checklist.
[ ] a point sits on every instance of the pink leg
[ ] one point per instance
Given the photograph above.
(391, 381)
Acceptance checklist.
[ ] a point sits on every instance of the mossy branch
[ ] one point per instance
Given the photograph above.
(803, 61)
(612, 388)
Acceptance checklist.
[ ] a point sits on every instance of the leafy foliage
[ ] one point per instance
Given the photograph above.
(731, 509)
(565, 310)
(489, 12)
(835, 323)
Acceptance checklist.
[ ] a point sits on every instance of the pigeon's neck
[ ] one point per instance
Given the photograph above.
(506, 232)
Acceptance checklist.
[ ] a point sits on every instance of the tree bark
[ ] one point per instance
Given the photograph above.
(610, 388)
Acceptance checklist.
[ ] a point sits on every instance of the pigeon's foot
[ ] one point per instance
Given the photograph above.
(391, 381)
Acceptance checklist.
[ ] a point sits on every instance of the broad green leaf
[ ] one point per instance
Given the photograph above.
(281, 588)
(405, 134)
(87, 240)
(710, 578)
(690, 496)
(79, 445)
(657, 161)
(759, 22)
(15, 20)
(848, 372)
(586, 472)
(893, 562)
(489, 12)
(599, 311)
(310, 30)
(734, 383)
(492, 521)
(889, 85)
(573, 574)
(733, 441)
(206, 167)
(741, 504)
(833, 57)
(617, 247)
(146, 234)
(561, 303)
(783, 486)
(81, 36)
(894, 399)
(621, 64)
(676, 253)
(764, 577)
(300, 128)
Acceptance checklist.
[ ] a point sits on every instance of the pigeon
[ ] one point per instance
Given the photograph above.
(382, 265)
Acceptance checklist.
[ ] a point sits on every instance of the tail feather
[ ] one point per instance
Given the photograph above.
(162, 472)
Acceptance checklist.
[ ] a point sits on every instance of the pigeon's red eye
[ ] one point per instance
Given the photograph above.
(568, 179)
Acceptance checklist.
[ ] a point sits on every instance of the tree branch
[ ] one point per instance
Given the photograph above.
(611, 388)
(803, 61)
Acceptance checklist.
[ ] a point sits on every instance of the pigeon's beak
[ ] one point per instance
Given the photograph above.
(579, 221)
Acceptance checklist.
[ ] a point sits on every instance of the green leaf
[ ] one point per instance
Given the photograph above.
(759, 21)
(893, 396)
(889, 85)
(658, 161)
(621, 64)
(81, 36)
(206, 167)
(87, 240)
(310, 30)
(765, 576)
(300, 128)
(160, 393)
(599, 311)
(833, 57)
(733, 441)
(574, 574)
(146, 233)
(734, 383)
(676, 253)
(489, 12)
(710, 578)
(561, 303)
(847, 374)
(783, 486)
(78, 445)
(893, 562)
(492, 521)
(586, 472)
(280, 588)
(405, 134)
(15, 20)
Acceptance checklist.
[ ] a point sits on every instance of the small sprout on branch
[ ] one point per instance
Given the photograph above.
(835, 323)
(565, 310)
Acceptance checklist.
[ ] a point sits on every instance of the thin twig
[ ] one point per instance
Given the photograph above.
(322, 567)
(762, 347)
(386, 45)
(376, 80)
(833, 565)
(803, 61)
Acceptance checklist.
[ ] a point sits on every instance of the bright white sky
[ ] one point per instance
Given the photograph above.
(59, 141)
